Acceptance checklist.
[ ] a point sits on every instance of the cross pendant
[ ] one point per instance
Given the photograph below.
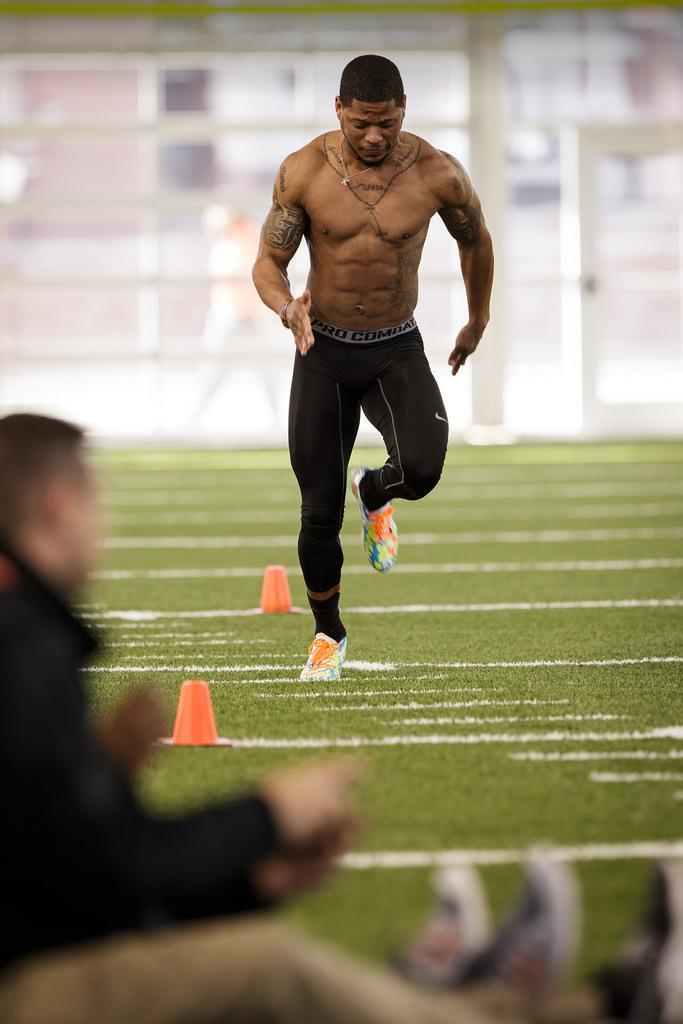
(345, 181)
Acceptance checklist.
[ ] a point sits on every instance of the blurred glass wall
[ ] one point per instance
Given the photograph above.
(136, 164)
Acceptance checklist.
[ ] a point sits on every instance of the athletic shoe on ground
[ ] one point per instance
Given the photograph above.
(535, 947)
(325, 660)
(645, 984)
(457, 930)
(379, 537)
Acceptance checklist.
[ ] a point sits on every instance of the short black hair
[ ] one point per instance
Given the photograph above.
(371, 79)
(33, 450)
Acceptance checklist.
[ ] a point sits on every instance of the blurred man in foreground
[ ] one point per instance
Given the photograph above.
(105, 907)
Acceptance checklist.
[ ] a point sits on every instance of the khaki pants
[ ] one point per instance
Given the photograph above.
(248, 971)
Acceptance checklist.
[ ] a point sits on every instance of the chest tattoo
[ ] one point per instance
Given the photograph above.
(404, 163)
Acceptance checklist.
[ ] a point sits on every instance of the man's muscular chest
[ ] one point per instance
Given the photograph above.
(367, 210)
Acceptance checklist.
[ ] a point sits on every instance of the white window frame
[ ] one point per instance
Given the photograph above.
(593, 143)
(153, 124)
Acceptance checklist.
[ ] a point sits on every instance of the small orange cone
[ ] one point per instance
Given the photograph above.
(275, 595)
(195, 725)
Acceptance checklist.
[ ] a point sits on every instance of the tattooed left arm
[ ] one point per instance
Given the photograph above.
(464, 220)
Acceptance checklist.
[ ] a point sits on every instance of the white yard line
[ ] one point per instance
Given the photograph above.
(228, 642)
(416, 539)
(543, 663)
(538, 511)
(577, 470)
(544, 489)
(230, 493)
(256, 682)
(370, 666)
(516, 606)
(462, 739)
(143, 615)
(539, 756)
(416, 706)
(558, 663)
(503, 719)
(188, 496)
(187, 643)
(249, 479)
(428, 513)
(188, 668)
(156, 630)
(215, 517)
(153, 629)
(644, 850)
(635, 511)
(354, 666)
(114, 575)
(192, 477)
(329, 693)
(632, 777)
(398, 691)
(416, 568)
(432, 676)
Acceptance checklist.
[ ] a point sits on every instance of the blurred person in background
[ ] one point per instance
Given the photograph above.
(233, 240)
(113, 915)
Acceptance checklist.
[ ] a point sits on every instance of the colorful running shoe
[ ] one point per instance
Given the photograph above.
(379, 534)
(325, 660)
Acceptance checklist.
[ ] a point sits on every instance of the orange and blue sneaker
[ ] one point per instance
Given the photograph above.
(379, 536)
(325, 659)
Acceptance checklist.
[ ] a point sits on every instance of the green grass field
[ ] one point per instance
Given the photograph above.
(556, 577)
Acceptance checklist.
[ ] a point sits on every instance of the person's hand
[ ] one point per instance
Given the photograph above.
(465, 344)
(299, 320)
(129, 733)
(311, 803)
(283, 876)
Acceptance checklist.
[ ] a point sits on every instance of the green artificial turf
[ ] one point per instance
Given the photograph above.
(514, 506)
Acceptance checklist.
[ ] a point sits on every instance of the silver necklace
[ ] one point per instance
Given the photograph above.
(347, 177)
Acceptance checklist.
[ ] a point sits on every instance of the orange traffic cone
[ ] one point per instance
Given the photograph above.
(275, 595)
(195, 725)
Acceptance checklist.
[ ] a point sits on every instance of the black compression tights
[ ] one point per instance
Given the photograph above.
(393, 385)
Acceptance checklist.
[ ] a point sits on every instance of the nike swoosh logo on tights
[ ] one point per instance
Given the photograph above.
(443, 420)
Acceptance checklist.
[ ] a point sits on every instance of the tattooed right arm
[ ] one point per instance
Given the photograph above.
(286, 224)
(284, 227)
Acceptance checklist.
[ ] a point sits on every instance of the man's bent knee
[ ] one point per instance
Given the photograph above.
(420, 479)
(321, 523)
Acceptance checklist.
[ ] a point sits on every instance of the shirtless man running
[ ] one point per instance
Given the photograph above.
(363, 198)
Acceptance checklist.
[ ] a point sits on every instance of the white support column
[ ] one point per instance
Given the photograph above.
(572, 237)
(487, 166)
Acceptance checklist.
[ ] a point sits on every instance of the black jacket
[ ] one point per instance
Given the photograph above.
(79, 857)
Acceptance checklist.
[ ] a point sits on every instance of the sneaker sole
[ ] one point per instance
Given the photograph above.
(306, 678)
